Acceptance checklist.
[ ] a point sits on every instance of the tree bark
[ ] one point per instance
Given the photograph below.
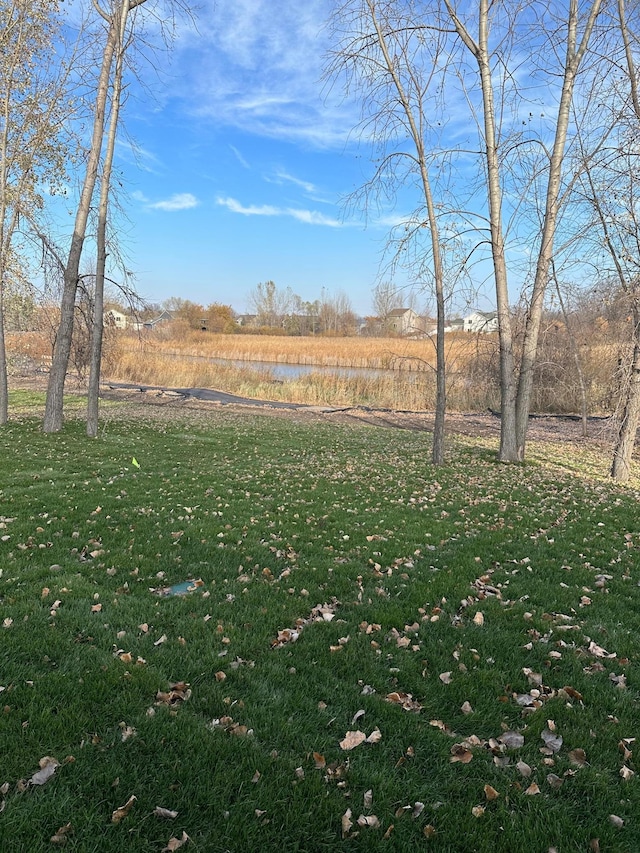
(53, 415)
(573, 59)
(97, 326)
(626, 433)
(437, 452)
(508, 451)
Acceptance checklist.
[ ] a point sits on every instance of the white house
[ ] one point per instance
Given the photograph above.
(481, 321)
(115, 319)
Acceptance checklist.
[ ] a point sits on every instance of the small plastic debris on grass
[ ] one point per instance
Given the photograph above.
(184, 588)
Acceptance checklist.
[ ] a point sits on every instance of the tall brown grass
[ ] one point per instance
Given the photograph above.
(164, 359)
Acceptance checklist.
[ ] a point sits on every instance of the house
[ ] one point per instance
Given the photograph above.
(481, 321)
(402, 321)
(247, 320)
(115, 319)
(455, 325)
(164, 317)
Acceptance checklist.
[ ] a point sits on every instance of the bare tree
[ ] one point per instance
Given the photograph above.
(33, 109)
(118, 19)
(116, 15)
(379, 42)
(575, 32)
(271, 303)
(386, 298)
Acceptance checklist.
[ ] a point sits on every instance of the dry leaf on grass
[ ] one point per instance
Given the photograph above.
(532, 790)
(460, 753)
(319, 761)
(48, 766)
(491, 793)
(347, 823)
(352, 739)
(168, 814)
(369, 820)
(512, 740)
(578, 757)
(61, 834)
(552, 741)
(176, 843)
(405, 700)
(123, 811)
(523, 768)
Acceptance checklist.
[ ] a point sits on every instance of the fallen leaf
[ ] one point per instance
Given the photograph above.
(460, 753)
(347, 823)
(551, 740)
(599, 652)
(369, 820)
(524, 769)
(491, 793)
(405, 700)
(123, 811)
(554, 781)
(127, 732)
(626, 773)
(445, 677)
(319, 761)
(578, 757)
(616, 821)
(477, 811)
(512, 740)
(48, 766)
(352, 739)
(466, 708)
(168, 814)
(61, 834)
(532, 790)
(478, 619)
(368, 799)
(429, 831)
(375, 736)
(176, 843)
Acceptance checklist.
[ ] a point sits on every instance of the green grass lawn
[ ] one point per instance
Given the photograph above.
(478, 623)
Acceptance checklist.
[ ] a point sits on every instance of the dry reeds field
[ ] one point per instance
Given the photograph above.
(407, 380)
(387, 373)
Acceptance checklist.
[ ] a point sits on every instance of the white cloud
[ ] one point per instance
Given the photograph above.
(281, 176)
(310, 217)
(242, 160)
(259, 69)
(178, 201)
(253, 210)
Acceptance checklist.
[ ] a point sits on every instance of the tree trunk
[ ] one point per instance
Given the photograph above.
(534, 315)
(508, 442)
(4, 379)
(626, 434)
(97, 326)
(53, 415)
(413, 122)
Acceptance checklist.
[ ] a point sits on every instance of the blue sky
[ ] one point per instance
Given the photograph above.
(237, 164)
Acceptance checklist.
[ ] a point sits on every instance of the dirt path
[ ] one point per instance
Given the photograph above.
(487, 424)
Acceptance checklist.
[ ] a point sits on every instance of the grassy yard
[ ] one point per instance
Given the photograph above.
(371, 654)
